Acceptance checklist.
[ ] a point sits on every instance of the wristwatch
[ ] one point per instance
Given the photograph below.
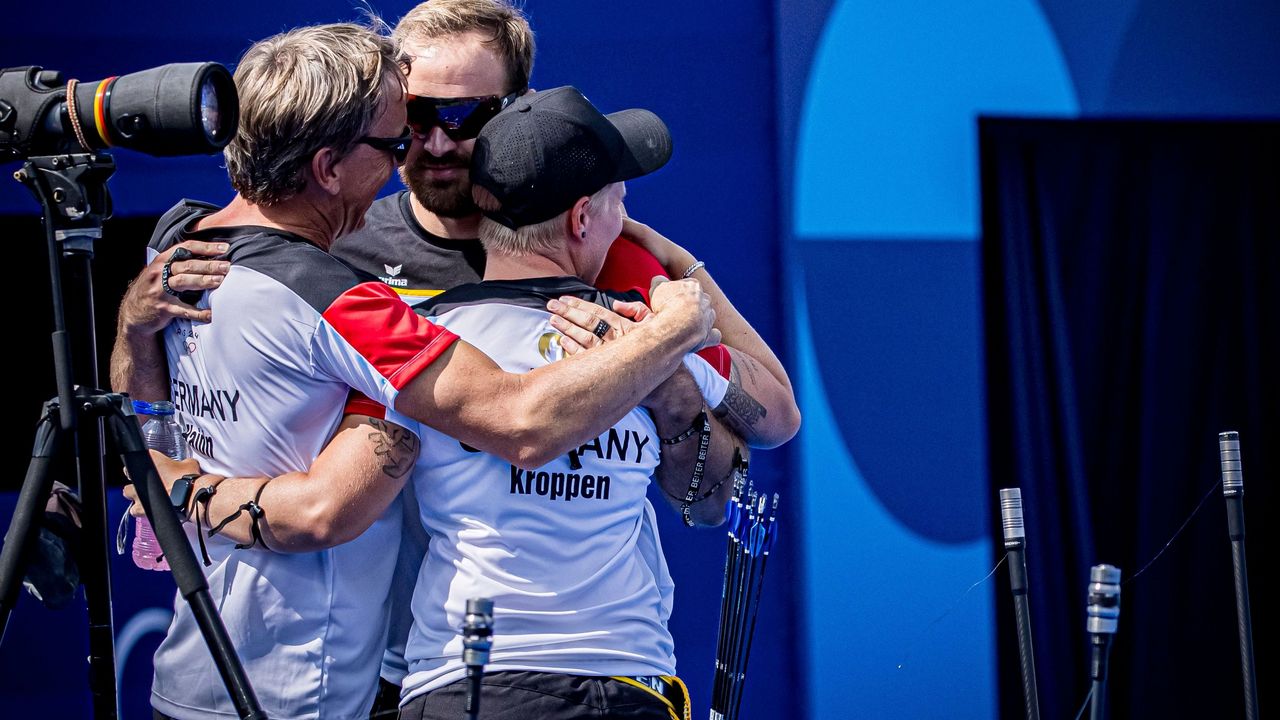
(180, 494)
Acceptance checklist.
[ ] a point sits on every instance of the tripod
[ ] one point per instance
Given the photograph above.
(72, 190)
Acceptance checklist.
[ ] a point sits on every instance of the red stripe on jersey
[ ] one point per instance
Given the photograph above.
(387, 332)
(630, 267)
(359, 404)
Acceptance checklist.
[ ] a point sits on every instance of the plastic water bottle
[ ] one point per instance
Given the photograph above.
(161, 433)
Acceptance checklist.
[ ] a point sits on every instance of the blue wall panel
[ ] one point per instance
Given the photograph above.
(695, 64)
(892, 461)
(884, 221)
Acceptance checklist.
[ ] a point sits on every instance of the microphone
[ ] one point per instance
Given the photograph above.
(477, 640)
(1103, 619)
(1233, 494)
(1015, 542)
(1232, 484)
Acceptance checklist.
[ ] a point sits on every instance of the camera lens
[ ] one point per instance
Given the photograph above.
(210, 115)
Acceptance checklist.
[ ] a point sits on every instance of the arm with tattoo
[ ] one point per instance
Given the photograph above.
(674, 407)
(347, 488)
(739, 409)
(763, 407)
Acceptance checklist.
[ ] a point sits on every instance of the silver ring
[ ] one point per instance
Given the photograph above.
(602, 329)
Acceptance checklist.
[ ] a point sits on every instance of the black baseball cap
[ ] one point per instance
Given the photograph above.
(549, 148)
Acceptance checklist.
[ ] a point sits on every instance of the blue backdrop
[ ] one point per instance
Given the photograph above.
(716, 196)
(879, 177)
(825, 167)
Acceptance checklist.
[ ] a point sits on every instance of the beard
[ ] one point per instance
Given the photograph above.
(446, 198)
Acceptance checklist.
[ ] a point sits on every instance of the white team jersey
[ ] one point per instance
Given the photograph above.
(259, 391)
(567, 552)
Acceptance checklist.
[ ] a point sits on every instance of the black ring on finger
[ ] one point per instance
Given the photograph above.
(602, 329)
(167, 271)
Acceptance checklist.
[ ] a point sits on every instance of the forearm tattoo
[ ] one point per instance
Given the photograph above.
(396, 447)
(738, 408)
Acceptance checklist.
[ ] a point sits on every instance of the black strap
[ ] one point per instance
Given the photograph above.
(739, 466)
(256, 513)
(697, 423)
(202, 497)
(699, 467)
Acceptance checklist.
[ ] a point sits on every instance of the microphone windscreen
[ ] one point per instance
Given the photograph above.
(1229, 455)
(1011, 515)
(1104, 599)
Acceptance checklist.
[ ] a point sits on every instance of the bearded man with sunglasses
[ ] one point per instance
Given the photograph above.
(467, 60)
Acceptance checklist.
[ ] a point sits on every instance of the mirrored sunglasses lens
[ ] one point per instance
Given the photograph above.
(453, 117)
(422, 114)
(458, 120)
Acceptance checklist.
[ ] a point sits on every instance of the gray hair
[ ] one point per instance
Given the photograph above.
(301, 91)
(505, 26)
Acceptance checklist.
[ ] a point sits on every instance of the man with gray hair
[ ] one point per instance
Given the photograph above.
(262, 386)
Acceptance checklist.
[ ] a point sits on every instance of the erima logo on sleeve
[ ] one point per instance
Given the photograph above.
(392, 272)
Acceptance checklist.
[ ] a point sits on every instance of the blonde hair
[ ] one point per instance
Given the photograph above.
(498, 239)
(505, 26)
(301, 91)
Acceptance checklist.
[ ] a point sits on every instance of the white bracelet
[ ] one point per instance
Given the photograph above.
(693, 269)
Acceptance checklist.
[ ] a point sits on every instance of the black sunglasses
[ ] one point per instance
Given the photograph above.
(397, 146)
(459, 118)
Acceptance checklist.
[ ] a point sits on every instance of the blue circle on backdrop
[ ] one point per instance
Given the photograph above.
(886, 214)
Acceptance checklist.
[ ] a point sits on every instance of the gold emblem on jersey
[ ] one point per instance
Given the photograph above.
(549, 347)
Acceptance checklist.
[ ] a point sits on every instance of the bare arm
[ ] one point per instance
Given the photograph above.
(761, 404)
(531, 418)
(674, 406)
(138, 364)
(347, 488)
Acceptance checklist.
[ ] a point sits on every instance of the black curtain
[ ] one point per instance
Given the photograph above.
(1131, 290)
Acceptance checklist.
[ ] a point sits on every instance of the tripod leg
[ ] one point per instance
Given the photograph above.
(190, 579)
(96, 568)
(25, 525)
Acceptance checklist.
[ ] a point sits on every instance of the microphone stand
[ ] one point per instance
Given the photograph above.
(1015, 542)
(1103, 619)
(1233, 494)
(477, 639)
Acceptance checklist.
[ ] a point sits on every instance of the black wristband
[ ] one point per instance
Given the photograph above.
(180, 493)
(256, 513)
(202, 497)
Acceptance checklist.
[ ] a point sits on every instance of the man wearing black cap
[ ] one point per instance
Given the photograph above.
(563, 550)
